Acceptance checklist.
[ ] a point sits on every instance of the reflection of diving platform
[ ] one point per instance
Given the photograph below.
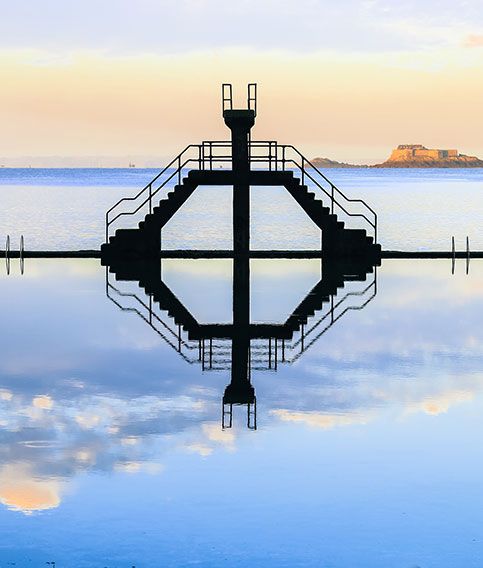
(241, 346)
(246, 164)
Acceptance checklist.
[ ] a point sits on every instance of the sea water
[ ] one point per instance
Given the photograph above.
(64, 209)
(367, 450)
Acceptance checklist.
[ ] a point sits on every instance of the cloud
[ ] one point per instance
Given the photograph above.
(198, 448)
(440, 404)
(474, 40)
(121, 26)
(44, 402)
(88, 421)
(318, 419)
(214, 433)
(5, 394)
(21, 491)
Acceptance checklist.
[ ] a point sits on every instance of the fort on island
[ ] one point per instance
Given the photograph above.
(418, 151)
(411, 156)
(418, 156)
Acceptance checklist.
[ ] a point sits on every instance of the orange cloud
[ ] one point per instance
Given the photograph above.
(435, 405)
(21, 491)
(474, 40)
(320, 420)
(44, 402)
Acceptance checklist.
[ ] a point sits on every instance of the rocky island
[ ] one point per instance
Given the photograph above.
(418, 156)
(412, 156)
(327, 163)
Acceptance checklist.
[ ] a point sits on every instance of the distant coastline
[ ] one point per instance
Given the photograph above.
(412, 156)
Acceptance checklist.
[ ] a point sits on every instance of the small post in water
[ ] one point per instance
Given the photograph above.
(467, 254)
(453, 255)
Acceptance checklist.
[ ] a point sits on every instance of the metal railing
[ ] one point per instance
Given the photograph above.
(286, 156)
(265, 154)
(310, 336)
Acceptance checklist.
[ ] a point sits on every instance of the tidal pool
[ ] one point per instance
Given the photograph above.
(366, 450)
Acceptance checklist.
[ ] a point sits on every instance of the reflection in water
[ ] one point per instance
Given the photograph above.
(372, 435)
(254, 346)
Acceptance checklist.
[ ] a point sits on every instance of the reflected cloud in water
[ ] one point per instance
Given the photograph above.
(100, 391)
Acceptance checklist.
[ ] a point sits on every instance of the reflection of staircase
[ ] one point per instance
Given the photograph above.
(334, 277)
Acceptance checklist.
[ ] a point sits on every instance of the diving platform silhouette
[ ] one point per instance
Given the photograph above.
(241, 346)
(241, 163)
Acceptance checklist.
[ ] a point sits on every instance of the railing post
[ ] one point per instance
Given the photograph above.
(283, 158)
(453, 254)
(150, 198)
(467, 255)
(199, 157)
(179, 169)
(332, 198)
(303, 170)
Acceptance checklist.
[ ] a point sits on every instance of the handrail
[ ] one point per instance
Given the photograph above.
(334, 187)
(150, 196)
(372, 284)
(21, 252)
(275, 155)
(148, 187)
(148, 321)
(373, 224)
(7, 255)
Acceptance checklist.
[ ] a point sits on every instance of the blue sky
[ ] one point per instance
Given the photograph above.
(122, 26)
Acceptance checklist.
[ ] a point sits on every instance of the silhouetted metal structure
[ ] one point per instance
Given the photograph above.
(347, 253)
(241, 346)
(246, 163)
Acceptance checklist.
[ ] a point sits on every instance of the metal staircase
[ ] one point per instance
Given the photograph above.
(348, 226)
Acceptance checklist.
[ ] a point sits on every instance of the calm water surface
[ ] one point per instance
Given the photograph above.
(418, 209)
(368, 448)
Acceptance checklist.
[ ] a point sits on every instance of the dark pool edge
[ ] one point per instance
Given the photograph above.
(229, 254)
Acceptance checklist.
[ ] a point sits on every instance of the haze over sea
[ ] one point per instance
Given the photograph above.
(418, 209)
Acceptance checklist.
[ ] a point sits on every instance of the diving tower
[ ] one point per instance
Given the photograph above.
(241, 163)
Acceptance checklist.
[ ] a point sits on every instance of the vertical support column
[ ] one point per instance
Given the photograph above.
(240, 391)
(240, 123)
(241, 320)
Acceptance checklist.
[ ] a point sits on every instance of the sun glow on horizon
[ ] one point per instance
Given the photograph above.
(350, 89)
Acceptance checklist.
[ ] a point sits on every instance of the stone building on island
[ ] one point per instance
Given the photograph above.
(415, 151)
(418, 156)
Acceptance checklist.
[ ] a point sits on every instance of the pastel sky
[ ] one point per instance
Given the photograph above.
(347, 79)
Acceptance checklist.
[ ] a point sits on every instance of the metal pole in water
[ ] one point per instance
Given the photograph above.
(7, 255)
(467, 255)
(453, 253)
